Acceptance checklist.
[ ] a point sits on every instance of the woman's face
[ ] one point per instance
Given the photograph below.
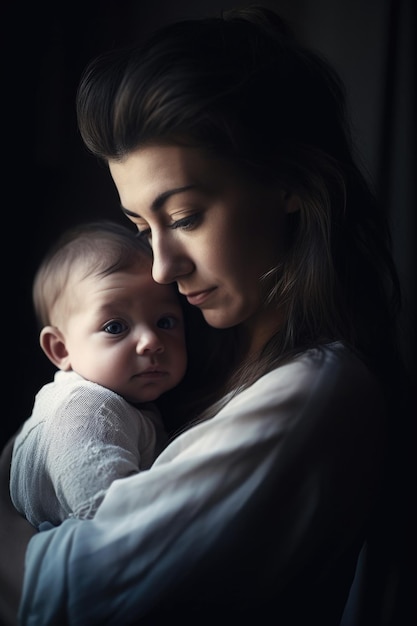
(212, 230)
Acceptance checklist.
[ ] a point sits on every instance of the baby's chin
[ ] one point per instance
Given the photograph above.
(149, 395)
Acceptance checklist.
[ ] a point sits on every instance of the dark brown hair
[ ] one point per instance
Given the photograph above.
(242, 87)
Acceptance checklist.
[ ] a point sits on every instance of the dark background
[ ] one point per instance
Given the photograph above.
(52, 182)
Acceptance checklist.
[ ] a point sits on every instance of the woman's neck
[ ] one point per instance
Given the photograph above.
(259, 330)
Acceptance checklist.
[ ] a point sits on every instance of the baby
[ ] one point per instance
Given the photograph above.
(117, 338)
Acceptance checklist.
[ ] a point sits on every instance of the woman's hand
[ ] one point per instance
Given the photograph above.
(15, 533)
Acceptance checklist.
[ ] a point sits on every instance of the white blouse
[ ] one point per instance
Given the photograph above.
(263, 507)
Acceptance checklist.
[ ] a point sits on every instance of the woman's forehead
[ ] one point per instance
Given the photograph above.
(150, 175)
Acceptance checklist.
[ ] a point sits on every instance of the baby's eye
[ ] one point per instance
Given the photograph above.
(114, 327)
(167, 322)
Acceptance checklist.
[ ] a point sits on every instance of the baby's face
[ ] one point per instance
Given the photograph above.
(126, 333)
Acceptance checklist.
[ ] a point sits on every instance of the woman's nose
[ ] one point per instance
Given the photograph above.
(149, 342)
(170, 261)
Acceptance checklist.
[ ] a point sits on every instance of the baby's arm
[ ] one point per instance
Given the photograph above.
(90, 449)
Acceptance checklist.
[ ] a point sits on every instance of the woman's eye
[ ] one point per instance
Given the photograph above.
(167, 323)
(114, 327)
(144, 234)
(187, 223)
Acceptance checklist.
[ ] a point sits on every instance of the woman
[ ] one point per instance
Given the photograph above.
(228, 145)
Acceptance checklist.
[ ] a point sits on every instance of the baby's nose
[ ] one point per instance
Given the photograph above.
(149, 342)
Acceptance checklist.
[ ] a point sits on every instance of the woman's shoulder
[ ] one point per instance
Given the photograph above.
(326, 383)
(325, 394)
(327, 380)
(320, 368)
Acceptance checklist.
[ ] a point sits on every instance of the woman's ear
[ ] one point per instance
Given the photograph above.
(53, 344)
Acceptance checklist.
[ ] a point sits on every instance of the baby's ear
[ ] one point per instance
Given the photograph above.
(53, 344)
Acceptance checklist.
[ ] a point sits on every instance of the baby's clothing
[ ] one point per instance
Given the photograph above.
(79, 439)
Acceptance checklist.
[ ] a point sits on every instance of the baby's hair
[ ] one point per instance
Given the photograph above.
(99, 248)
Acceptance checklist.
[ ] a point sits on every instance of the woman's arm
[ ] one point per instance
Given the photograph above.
(15, 533)
(266, 502)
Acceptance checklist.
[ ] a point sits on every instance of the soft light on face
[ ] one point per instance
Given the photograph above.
(213, 231)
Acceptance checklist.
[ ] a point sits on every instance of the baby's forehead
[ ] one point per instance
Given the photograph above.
(133, 289)
(109, 262)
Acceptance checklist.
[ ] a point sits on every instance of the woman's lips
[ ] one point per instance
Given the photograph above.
(197, 298)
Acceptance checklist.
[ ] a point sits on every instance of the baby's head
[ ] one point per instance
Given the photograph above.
(93, 248)
(102, 315)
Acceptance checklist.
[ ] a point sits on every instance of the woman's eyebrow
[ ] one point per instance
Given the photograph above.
(160, 200)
